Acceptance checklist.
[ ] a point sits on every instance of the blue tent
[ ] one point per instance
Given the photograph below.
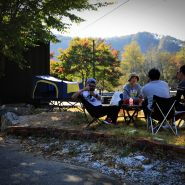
(48, 87)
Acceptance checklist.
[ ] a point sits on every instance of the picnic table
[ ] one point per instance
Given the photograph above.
(131, 111)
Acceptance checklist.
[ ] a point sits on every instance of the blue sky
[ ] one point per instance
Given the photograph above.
(163, 17)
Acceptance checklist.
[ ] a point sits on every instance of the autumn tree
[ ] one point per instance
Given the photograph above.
(76, 62)
(24, 22)
(52, 54)
(175, 62)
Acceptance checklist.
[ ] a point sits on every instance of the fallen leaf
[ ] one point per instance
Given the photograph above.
(101, 160)
(35, 155)
(39, 152)
(61, 159)
(1, 135)
(119, 178)
(67, 117)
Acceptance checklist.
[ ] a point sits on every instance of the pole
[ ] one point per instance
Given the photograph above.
(93, 62)
(103, 80)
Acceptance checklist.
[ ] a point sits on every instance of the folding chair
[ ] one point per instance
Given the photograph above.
(91, 110)
(162, 110)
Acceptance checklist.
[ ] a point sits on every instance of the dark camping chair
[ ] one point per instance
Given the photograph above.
(91, 110)
(163, 109)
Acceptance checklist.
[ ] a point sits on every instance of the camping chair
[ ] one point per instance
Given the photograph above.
(162, 110)
(91, 110)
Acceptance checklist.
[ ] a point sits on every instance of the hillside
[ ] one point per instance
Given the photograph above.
(145, 39)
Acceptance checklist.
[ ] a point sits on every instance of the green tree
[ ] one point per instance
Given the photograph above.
(163, 64)
(76, 62)
(150, 59)
(24, 22)
(132, 60)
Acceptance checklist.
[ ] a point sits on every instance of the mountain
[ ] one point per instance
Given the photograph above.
(144, 39)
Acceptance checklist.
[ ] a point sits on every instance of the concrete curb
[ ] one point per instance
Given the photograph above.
(170, 151)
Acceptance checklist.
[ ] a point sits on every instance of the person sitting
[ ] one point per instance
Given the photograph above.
(153, 87)
(180, 107)
(181, 89)
(89, 93)
(132, 90)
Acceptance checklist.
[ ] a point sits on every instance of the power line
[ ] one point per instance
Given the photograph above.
(111, 12)
(99, 18)
(104, 16)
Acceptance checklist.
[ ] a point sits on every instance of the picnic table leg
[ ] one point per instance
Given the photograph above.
(132, 117)
(124, 115)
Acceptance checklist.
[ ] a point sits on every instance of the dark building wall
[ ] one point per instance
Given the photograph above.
(15, 85)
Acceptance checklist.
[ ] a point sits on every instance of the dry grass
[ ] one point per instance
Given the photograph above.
(76, 120)
(123, 129)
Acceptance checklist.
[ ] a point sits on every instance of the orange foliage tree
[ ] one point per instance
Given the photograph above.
(76, 62)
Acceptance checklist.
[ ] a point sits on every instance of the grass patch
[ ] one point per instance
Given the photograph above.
(123, 129)
(126, 151)
(78, 122)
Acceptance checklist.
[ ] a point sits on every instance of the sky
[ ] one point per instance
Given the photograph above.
(162, 17)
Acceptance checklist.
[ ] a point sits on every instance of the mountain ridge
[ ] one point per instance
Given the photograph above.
(145, 40)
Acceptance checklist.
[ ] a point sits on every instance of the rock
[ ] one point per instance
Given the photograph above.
(7, 119)
(17, 110)
(182, 170)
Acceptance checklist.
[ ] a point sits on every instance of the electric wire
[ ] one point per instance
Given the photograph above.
(103, 16)
(109, 13)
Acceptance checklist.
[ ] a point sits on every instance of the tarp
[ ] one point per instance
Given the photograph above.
(48, 87)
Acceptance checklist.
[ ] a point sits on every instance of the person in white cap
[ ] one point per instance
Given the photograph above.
(132, 90)
(89, 93)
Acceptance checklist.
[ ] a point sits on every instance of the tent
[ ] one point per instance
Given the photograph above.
(48, 87)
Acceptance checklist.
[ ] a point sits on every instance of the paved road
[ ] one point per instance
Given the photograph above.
(25, 169)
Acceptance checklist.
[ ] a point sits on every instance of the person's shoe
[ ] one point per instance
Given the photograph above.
(182, 125)
(107, 122)
(166, 127)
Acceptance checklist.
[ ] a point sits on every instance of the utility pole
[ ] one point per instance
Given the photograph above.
(93, 62)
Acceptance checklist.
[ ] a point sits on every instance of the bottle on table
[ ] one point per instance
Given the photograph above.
(130, 101)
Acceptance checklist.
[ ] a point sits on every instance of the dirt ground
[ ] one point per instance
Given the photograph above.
(47, 119)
